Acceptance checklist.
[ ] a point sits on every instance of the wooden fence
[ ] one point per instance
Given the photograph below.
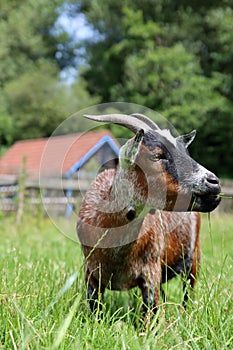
(52, 193)
(59, 194)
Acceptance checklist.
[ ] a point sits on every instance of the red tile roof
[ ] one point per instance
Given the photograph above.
(51, 156)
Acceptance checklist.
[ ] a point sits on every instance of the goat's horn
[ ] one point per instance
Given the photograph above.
(131, 122)
(146, 120)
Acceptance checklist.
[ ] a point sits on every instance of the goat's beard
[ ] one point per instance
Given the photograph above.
(204, 203)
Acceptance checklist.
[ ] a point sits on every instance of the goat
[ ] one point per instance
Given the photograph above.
(134, 224)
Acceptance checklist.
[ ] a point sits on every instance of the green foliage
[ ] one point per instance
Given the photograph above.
(33, 101)
(174, 57)
(44, 306)
(27, 65)
(38, 103)
(25, 35)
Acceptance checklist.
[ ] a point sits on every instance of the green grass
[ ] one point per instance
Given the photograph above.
(43, 301)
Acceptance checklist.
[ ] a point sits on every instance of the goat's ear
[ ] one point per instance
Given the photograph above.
(187, 139)
(129, 151)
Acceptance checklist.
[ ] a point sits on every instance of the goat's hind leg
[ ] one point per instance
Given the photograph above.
(190, 280)
(188, 286)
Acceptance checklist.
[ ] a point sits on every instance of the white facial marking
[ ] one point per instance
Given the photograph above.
(167, 134)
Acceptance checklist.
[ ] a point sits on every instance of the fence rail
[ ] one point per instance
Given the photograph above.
(55, 193)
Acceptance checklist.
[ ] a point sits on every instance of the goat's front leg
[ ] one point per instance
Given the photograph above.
(150, 294)
(94, 291)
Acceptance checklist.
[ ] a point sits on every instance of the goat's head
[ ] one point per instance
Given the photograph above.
(167, 167)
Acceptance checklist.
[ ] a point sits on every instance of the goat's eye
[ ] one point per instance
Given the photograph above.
(156, 157)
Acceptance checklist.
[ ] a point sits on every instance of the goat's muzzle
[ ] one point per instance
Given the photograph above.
(204, 203)
(207, 198)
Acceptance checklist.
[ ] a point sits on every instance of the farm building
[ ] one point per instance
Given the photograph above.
(60, 165)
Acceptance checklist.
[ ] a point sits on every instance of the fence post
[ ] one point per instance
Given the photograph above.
(21, 191)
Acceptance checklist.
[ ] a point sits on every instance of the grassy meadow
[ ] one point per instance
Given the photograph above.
(43, 301)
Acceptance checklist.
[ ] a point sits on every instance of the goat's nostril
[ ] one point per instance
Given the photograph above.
(213, 181)
(212, 184)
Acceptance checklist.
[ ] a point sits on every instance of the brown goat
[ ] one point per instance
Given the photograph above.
(127, 238)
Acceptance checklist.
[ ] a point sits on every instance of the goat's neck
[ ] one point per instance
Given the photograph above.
(129, 188)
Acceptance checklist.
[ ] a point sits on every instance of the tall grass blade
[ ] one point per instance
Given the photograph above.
(63, 328)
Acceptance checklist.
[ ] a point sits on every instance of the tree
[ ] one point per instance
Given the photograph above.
(35, 101)
(33, 51)
(174, 57)
(26, 35)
